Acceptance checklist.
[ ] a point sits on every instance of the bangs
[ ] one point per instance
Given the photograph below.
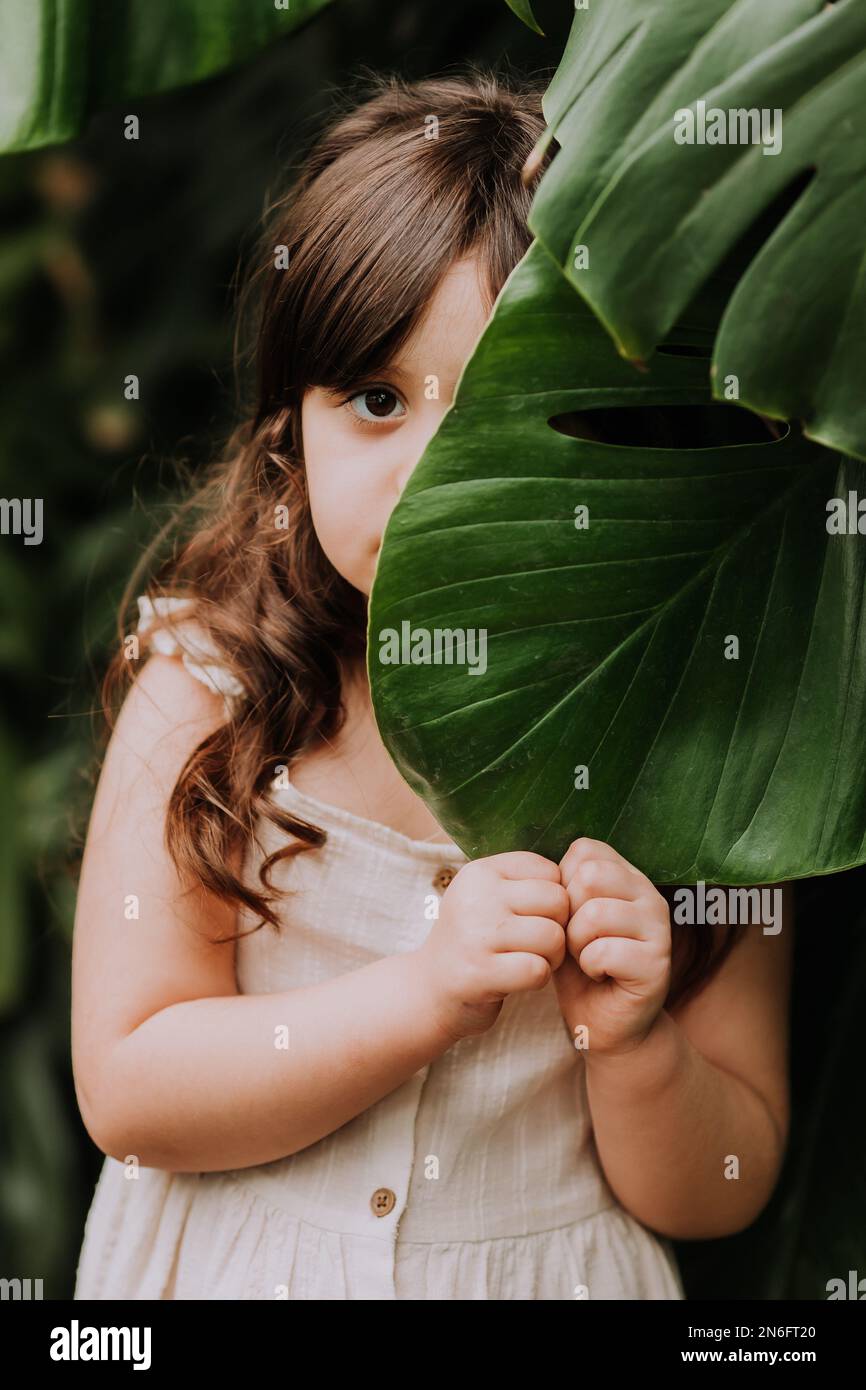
(389, 225)
(367, 238)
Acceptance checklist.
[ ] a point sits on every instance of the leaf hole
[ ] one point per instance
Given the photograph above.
(709, 426)
(685, 350)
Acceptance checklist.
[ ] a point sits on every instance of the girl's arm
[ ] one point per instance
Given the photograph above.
(171, 1063)
(691, 1125)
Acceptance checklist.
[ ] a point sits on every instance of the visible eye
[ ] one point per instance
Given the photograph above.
(375, 405)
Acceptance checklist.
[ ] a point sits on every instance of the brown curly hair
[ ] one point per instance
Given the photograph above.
(349, 255)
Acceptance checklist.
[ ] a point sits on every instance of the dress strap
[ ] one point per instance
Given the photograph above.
(189, 640)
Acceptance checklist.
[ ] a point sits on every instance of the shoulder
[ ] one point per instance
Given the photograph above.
(165, 694)
(166, 713)
(171, 627)
(179, 694)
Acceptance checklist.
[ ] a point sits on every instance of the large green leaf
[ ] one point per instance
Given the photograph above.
(606, 646)
(62, 59)
(656, 216)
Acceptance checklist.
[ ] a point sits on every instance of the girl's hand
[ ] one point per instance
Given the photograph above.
(500, 931)
(616, 973)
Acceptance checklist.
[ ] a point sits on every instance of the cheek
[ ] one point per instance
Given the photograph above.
(329, 512)
(325, 476)
(345, 500)
(346, 519)
(349, 501)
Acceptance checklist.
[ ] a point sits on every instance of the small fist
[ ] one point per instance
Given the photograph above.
(500, 931)
(616, 974)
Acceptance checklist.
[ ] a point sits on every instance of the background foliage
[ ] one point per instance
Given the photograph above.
(118, 257)
(64, 59)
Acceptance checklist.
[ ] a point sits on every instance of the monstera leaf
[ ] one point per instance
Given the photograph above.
(62, 59)
(665, 648)
(638, 220)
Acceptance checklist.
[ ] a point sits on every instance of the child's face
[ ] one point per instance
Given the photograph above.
(359, 454)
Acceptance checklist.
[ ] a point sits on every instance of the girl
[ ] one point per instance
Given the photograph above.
(307, 1081)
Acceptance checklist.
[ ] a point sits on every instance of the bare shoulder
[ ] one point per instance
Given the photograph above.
(166, 713)
(740, 1020)
(166, 707)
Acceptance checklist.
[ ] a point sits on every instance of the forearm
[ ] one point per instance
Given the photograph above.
(220, 1083)
(667, 1123)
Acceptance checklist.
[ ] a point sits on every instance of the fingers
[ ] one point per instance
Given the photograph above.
(528, 883)
(606, 918)
(619, 959)
(583, 849)
(516, 971)
(536, 934)
(603, 878)
(522, 863)
(538, 898)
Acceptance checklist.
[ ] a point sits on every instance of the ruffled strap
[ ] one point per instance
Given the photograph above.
(198, 652)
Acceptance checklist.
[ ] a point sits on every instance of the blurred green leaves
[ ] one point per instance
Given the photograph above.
(12, 933)
(60, 60)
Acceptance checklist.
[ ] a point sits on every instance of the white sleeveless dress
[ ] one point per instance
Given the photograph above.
(477, 1178)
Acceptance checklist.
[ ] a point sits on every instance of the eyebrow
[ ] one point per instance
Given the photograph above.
(393, 370)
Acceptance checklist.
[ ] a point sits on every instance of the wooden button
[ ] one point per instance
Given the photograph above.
(443, 878)
(382, 1201)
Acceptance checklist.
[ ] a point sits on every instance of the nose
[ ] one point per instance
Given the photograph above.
(405, 471)
(414, 441)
